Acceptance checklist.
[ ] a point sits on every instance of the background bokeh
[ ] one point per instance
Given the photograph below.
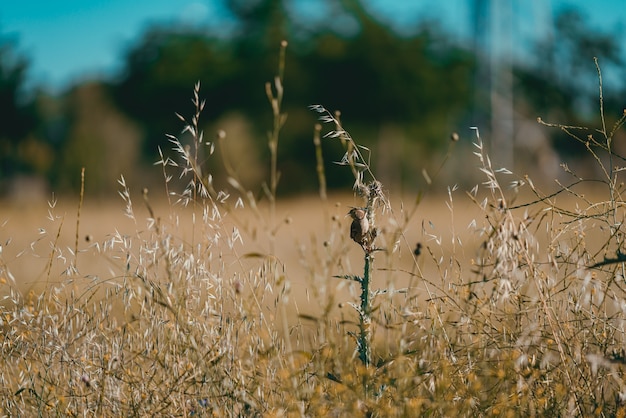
(97, 85)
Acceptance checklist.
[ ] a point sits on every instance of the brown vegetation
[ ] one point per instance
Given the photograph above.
(497, 300)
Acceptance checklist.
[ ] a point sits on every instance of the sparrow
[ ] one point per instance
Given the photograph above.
(360, 226)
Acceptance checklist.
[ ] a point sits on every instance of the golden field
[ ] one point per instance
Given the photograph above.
(186, 310)
(39, 235)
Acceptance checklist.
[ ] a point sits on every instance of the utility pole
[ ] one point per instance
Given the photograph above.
(501, 64)
(493, 47)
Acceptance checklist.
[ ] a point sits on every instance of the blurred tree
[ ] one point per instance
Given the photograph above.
(100, 139)
(578, 42)
(415, 85)
(400, 94)
(418, 81)
(561, 84)
(17, 113)
(379, 76)
(159, 77)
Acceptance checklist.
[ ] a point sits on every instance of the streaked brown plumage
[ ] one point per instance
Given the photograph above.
(360, 226)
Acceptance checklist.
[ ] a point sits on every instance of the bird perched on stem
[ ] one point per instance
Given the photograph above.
(359, 229)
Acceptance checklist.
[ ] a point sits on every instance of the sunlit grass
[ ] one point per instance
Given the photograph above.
(196, 310)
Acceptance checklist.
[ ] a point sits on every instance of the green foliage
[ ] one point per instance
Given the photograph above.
(158, 74)
(12, 77)
(411, 90)
(562, 83)
(16, 113)
(419, 82)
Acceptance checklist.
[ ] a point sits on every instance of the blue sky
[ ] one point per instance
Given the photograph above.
(68, 40)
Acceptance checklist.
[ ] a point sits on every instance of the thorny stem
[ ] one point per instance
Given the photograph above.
(365, 319)
(364, 345)
(364, 342)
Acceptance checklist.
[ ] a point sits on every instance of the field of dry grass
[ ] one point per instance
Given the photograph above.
(501, 300)
(186, 312)
(304, 228)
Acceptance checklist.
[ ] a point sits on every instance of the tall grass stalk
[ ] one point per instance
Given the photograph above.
(275, 97)
(319, 159)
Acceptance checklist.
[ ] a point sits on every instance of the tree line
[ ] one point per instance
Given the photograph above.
(408, 92)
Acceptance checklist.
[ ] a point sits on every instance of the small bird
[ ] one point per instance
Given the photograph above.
(360, 226)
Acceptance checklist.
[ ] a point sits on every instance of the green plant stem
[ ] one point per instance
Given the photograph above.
(365, 319)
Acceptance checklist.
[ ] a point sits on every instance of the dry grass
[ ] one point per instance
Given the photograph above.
(205, 303)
